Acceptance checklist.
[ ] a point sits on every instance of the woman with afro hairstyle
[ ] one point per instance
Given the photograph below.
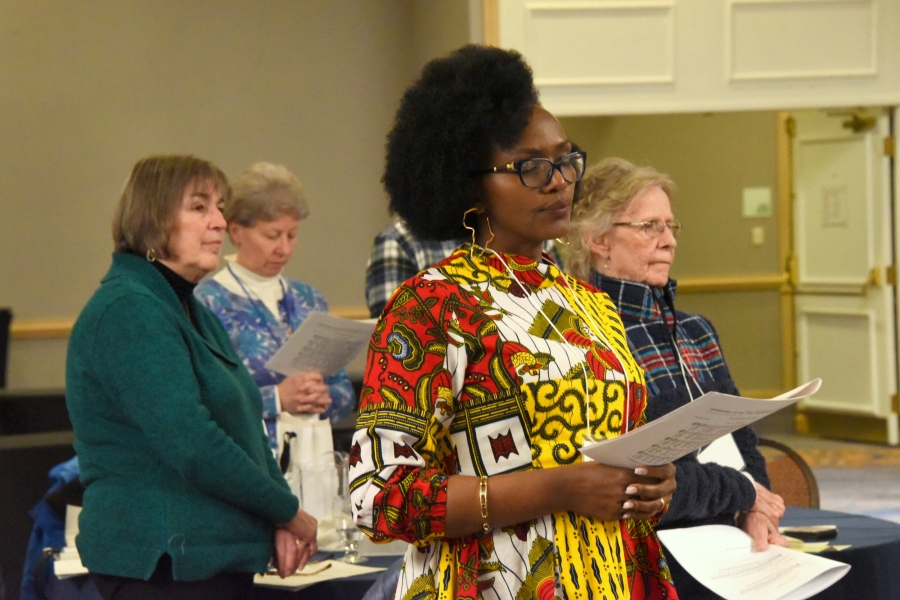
(488, 371)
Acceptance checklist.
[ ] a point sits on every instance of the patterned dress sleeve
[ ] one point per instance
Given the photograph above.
(402, 452)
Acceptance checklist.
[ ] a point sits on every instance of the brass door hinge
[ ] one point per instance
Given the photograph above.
(889, 146)
(874, 277)
(895, 403)
(891, 274)
(790, 126)
(790, 270)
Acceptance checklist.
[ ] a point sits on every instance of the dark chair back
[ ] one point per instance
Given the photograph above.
(5, 320)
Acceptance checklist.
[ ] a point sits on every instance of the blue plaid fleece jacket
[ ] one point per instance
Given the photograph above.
(657, 334)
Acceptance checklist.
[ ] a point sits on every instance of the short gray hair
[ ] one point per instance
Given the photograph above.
(265, 192)
(606, 191)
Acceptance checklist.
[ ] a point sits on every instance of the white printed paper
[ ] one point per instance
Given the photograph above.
(689, 428)
(68, 564)
(71, 526)
(722, 558)
(723, 452)
(314, 573)
(323, 343)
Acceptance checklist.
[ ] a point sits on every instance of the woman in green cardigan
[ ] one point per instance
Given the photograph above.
(183, 496)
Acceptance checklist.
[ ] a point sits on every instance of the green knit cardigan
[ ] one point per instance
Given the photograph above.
(169, 436)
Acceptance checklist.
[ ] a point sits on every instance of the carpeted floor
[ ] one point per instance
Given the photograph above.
(852, 477)
(822, 453)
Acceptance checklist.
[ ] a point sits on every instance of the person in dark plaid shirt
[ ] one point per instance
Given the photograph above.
(622, 241)
(397, 255)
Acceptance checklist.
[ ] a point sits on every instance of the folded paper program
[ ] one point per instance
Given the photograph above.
(690, 428)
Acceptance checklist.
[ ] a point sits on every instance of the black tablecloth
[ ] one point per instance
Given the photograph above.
(873, 555)
(350, 588)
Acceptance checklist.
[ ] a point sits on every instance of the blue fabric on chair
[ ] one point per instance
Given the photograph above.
(386, 584)
(49, 532)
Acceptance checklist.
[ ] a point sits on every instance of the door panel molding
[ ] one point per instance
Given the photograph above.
(806, 32)
(640, 34)
(815, 327)
(608, 57)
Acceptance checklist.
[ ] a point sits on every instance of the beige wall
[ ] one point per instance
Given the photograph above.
(88, 88)
(711, 158)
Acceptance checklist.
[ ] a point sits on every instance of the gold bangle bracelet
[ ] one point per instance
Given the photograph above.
(482, 499)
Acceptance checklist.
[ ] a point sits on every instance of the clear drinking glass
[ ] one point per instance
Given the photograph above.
(348, 533)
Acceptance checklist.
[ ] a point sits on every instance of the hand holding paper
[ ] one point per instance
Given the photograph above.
(722, 558)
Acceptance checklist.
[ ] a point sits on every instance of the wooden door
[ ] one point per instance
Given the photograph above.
(843, 273)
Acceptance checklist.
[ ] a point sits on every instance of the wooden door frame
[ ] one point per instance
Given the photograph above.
(785, 130)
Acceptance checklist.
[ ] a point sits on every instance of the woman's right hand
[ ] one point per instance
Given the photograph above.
(304, 393)
(295, 543)
(612, 493)
(588, 488)
(291, 554)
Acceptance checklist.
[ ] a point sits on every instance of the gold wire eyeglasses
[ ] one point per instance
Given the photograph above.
(654, 227)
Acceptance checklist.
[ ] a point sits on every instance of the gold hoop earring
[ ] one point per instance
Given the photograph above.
(564, 243)
(490, 231)
(472, 229)
(151, 255)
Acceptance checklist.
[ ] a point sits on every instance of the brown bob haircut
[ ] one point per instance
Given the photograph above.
(145, 215)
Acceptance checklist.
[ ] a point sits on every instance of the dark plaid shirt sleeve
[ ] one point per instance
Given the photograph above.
(390, 264)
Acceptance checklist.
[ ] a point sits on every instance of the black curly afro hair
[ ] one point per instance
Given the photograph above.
(450, 120)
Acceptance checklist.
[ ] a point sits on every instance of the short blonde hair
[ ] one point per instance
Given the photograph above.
(145, 215)
(265, 192)
(606, 191)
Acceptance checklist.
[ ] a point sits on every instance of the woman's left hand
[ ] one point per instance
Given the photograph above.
(652, 494)
(768, 503)
(291, 552)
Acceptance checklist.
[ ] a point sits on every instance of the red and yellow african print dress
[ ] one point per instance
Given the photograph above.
(483, 366)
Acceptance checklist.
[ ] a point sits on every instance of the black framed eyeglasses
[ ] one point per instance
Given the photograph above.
(537, 172)
(654, 227)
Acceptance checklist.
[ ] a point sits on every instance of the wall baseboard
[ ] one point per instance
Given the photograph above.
(62, 328)
(744, 283)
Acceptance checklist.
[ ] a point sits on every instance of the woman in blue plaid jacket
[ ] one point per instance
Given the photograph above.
(622, 241)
